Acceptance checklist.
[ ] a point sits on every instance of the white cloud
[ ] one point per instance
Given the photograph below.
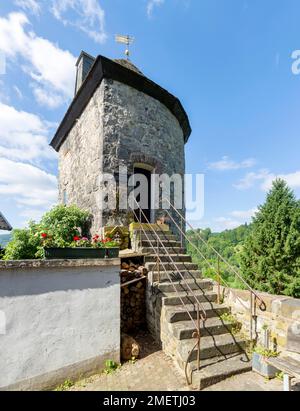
(46, 98)
(244, 215)
(27, 185)
(152, 4)
(51, 68)
(227, 164)
(225, 223)
(251, 178)
(32, 6)
(18, 92)
(265, 179)
(292, 179)
(23, 136)
(91, 17)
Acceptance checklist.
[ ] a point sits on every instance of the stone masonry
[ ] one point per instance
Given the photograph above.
(120, 126)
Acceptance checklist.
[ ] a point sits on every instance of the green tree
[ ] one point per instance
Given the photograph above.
(24, 244)
(228, 243)
(270, 259)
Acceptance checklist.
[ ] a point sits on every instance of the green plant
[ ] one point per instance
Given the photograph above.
(110, 366)
(24, 244)
(108, 243)
(65, 222)
(270, 259)
(132, 361)
(66, 385)
(230, 318)
(265, 352)
(280, 375)
(81, 242)
(57, 228)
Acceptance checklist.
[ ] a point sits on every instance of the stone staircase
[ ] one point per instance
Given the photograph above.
(222, 350)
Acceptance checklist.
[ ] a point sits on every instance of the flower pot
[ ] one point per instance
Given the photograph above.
(260, 365)
(73, 253)
(112, 252)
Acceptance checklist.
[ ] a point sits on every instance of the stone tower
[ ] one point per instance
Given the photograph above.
(118, 117)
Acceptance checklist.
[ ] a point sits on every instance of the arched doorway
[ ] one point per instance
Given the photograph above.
(142, 184)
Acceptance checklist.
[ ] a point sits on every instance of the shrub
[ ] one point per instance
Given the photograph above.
(57, 228)
(65, 223)
(24, 244)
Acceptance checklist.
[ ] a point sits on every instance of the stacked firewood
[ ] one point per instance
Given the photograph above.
(133, 306)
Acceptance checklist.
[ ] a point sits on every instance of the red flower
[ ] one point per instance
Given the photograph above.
(76, 238)
(44, 235)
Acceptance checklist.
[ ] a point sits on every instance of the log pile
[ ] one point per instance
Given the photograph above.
(133, 305)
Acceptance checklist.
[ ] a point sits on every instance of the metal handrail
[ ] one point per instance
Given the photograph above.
(202, 316)
(262, 304)
(173, 263)
(206, 260)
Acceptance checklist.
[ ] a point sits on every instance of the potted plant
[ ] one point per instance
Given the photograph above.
(79, 248)
(260, 363)
(111, 247)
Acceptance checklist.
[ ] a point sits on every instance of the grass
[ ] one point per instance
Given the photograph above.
(65, 386)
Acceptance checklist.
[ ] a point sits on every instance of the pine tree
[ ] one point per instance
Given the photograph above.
(270, 260)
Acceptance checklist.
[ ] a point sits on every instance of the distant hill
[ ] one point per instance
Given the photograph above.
(4, 239)
(228, 243)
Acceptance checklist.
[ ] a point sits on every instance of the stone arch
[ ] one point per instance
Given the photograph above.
(144, 159)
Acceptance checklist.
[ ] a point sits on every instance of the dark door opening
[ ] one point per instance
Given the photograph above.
(146, 192)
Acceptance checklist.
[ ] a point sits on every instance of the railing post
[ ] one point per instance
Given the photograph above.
(140, 213)
(219, 281)
(251, 313)
(198, 336)
(181, 236)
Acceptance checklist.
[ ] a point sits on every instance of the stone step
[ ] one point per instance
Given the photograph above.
(183, 330)
(162, 251)
(210, 346)
(164, 276)
(153, 236)
(197, 284)
(166, 243)
(156, 227)
(186, 297)
(169, 258)
(179, 313)
(177, 266)
(218, 369)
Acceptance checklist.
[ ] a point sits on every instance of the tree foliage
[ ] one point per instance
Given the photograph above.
(270, 260)
(62, 222)
(229, 244)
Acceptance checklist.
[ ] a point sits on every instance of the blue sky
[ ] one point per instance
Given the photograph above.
(229, 61)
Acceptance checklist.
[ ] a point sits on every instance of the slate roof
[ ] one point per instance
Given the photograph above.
(129, 65)
(4, 224)
(126, 73)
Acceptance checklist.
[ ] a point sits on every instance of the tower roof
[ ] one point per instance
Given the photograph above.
(125, 72)
(4, 224)
(129, 65)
